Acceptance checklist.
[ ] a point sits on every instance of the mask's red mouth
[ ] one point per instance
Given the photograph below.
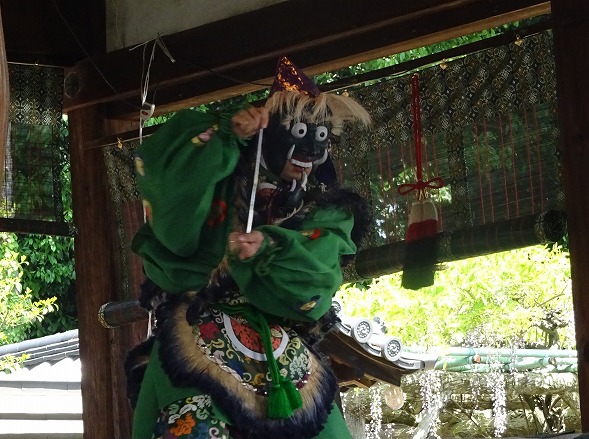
(301, 161)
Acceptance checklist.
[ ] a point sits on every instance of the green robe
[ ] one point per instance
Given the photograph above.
(184, 176)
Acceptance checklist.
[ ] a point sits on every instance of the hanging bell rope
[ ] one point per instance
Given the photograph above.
(422, 228)
(419, 186)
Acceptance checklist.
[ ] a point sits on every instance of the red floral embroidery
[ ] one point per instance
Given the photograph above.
(250, 338)
(316, 234)
(205, 136)
(218, 213)
(312, 234)
(209, 331)
(247, 335)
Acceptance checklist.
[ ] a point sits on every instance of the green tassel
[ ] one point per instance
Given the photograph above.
(278, 403)
(283, 396)
(294, 397)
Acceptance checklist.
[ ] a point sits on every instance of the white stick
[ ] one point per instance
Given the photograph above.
(250, 217)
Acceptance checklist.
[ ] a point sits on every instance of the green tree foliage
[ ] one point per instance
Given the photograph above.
(50, 274)
(18, 307)
(46, 270)
(518, 298)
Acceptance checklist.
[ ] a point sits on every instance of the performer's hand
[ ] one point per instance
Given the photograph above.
(245, 245)
(248, 122)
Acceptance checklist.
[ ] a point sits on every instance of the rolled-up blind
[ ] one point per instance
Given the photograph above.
(4, 101)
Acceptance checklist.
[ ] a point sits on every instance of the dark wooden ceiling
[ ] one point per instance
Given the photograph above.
(235, 55)
(53, 32)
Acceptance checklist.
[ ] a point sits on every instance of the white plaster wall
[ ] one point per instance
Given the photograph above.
(131, 22)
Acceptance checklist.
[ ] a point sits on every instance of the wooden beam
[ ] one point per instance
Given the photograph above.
(571, 52)
(95, 282)
(238, 54)
(115, 134)
(35, 227)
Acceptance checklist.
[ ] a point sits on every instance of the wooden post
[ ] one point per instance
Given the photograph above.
(106, 410)
(571, 51)
(4, 102)
(95, 280)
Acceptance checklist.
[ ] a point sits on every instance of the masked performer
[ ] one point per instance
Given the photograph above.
(233, 354)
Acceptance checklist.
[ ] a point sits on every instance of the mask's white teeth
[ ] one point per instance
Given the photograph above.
(322, 159)
(301, 164)
(304, 181)
(290, 152)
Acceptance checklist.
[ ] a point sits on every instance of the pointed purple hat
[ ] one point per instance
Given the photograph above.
(290, 78)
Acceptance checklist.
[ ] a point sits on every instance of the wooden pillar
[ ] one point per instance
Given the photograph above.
(106, 410)
(95, 280)
(4, 102)
(571, 51)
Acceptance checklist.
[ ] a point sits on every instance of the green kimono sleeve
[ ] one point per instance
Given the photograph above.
(183, 173)
(296, 273)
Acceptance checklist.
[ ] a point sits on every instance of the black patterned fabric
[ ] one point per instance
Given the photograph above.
(128, 211)
(490, 130)
(36, 153)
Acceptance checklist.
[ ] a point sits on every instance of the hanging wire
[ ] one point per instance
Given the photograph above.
(157, 41)
(222, 75)
(88, 56)
(146, 109)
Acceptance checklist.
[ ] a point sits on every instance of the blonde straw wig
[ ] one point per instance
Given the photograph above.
(327, 108)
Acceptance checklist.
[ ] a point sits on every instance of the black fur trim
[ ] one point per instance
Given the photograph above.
(312, 333)
(220, 286)
(196, 308)
(187, 366)
(148, 293)
(135, 365)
